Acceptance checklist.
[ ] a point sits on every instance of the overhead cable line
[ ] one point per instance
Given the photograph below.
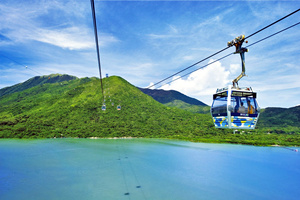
(272, 23)
(188, 67)
(96, 41)
(273, 34)
(200, 68)
(20, 64)
(221, 50)
(233, 52)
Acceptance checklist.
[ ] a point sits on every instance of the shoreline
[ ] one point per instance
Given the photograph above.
(111, 138)
(179, 139)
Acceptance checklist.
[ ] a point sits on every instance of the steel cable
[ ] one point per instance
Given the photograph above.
(233, 52)
(225, 49)
(97, 45)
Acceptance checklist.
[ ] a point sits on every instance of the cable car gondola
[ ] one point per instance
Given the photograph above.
(234, 107)
(103, 107)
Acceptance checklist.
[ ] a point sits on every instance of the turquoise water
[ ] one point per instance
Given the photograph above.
(140, 169)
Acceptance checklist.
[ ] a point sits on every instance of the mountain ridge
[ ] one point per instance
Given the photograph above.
(167, 96)
(73, 109)
(272, 116)
(37, 80)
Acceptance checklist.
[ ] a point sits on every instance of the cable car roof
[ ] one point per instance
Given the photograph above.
(240, 92)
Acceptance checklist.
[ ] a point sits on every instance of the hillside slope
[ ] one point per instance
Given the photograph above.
(172, 98)
(73, 109)
(280, 117)
(189, 107)
(168, 96)
(38, 80)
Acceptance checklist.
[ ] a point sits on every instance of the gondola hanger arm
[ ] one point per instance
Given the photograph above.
(238, 42)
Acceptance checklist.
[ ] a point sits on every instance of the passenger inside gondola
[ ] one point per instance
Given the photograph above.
(242, 109)
(251, 109)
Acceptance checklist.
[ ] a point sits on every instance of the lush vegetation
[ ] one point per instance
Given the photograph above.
(280, 117)
(167, 96)
(37, 80)
(72, 108)
(189, 107)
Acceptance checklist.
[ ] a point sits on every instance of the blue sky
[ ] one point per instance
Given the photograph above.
(146, 41)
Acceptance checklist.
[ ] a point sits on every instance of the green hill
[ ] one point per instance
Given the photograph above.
(72, 108)
(189, 107)
(168, 96)
(280, 117)
(38, 80)
(172, 98)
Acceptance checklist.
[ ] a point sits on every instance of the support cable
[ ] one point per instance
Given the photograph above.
(273, 34)
(234, 52)
(223, 50)
(96, 41)
(272, 24)
(188, 67)
(21, 64)
(200, 68)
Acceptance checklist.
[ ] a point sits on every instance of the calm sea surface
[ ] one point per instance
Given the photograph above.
(140, 169)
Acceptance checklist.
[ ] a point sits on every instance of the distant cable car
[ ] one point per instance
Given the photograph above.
(234, 107)
(103, 107)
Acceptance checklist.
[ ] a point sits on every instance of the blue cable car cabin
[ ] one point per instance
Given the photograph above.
(235, 108)
(103, 107)
(118, 107)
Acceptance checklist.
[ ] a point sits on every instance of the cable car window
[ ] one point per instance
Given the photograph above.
(219, 106)
(251, 106)
(235, 104)
(244, 105)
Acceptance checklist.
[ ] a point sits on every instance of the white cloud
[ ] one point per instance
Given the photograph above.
(25, 24)
(201, 82)
(234, 68)
(71, 38)
(188, 57)
(153, 87)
